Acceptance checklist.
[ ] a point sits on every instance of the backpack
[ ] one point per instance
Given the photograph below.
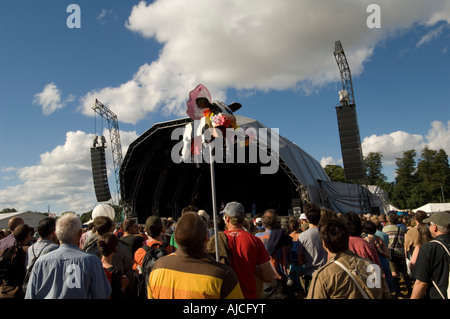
(153, 253)
(28, 273)
(448, 282)
(91, 247)
(12, 266)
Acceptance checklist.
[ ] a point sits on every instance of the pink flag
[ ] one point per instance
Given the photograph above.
(193, 110)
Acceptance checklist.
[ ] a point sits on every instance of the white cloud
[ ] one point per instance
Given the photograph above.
(49, 99)
(70, 98)
(248, 45)
(394, 144)
(434, 33)
(101, 18)
(8, 169)
(440, 15)
(62, 178)
(439, 136)
(324, 161)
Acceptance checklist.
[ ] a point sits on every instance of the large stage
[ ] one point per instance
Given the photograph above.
(153, 184)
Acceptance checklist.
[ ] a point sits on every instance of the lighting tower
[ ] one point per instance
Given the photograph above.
(349, 130)
(347, 121)
(116, 146)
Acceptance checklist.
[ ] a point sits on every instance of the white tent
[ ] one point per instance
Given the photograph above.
(434, 207)
(30, 218)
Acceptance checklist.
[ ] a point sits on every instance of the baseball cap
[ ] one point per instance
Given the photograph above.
(303, 216)
(439, 218)
(233, 209)
(153, 223)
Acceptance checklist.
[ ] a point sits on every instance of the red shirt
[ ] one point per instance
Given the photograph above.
(248, 251)
(364, 249)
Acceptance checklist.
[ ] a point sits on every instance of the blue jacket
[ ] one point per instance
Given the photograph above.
(68, 273)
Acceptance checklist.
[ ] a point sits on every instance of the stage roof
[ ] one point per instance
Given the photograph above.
(151, 183)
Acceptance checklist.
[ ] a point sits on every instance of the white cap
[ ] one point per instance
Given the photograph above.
(204, 214)
(303, 216)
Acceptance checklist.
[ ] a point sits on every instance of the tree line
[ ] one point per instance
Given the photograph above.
(417, 182)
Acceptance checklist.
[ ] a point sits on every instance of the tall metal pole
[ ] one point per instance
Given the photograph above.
(213, 193)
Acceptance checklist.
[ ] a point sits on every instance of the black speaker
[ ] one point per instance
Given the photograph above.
(99, 174)
(296, 202)
(350, 142)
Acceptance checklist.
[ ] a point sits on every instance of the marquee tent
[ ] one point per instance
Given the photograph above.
(434, 207)
(30, 218)
(151, 183)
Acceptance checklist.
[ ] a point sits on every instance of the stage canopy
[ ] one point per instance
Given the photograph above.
(357, 198)
(153, 184)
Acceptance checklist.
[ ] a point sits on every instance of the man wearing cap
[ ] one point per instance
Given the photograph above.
(249, 257)
(190, 272)
(304, 225)
(432, 266)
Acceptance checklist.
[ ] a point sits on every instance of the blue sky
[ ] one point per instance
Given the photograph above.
(141, 59)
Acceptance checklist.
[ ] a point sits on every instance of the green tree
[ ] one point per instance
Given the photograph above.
(405, 180)
(374, 168)
(433, 173)
(335, 173)
(85, 217)
(8, 210)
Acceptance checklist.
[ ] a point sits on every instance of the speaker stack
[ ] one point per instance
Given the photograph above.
(350, 142)
(99, 174)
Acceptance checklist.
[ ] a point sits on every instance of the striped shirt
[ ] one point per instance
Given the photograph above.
(180, 276)
(392, 230)
(39, 248)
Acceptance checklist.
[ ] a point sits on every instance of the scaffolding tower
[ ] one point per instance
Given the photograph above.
(116, 147)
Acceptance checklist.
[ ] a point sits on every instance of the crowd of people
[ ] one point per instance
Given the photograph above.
(319, 255)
